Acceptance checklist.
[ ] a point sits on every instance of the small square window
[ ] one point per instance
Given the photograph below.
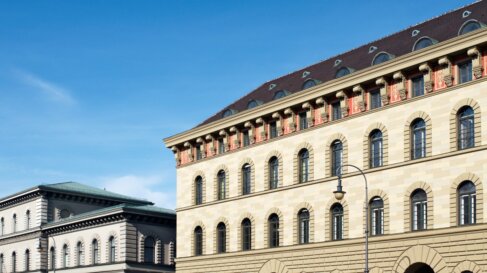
(375, 101)
(303, 121)
(465, 72)
(336, 110)
(272, 129)
(417, 86)
(246, 138)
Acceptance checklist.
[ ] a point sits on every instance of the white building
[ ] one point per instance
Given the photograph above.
(71, 227)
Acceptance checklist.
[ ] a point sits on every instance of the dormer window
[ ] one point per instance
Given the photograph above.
(422, 43)
(253, 103)
(381, 57)
(228, 112)
(280, 94)
(309, 83)
(343, 72)
(469, 26)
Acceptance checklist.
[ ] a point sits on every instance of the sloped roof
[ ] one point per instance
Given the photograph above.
(440, 28)
(85, 190)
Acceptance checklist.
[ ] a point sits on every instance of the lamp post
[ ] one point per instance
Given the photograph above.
(339, 194)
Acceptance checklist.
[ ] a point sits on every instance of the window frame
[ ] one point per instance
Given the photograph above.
(150, 250)
(375, 100)
(95, 251)
(461, 71)
(336, 151)
(198, 241)
(415, 92)
(418, 126)
(198, 190)
(303, 166)
(273, 129)
(273, 223)
(376, 212)
(246, 179)
(465, 128)
(419, 210)
(336, 110)
(337, 221)
(246, 234)
(221, 238)
(467, 214)
(221, 185)
(273, 172)
(376, 158)
(303, 226)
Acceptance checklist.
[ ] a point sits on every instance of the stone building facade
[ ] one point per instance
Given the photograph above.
(72, 227)
(256, 181)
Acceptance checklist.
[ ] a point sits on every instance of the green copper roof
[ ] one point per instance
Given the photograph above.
(85, 190)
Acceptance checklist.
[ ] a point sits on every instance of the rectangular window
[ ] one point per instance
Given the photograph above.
(375, 101)
(303, 121)
(465, 71)
(272, 129)
(338, 227)
(198, 152)
(221, 146)
(417, 86)
(246, 138)
(336, 110)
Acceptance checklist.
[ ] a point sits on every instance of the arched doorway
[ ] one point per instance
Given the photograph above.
(419, 268)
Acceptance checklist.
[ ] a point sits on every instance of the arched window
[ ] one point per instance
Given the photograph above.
(112, 249)
(309, 83)
(337, 221)
(221, 237)
(280, 94)
(422, 43)
(381, 57)
(27, 260)
(342, 72)
(246, 178)
(65, 256)
(377, 216)
(14, 223)
(198, 190)
(466, 130)
(198, 241)
(246, 234)
(418, 139)
(228, 112)
(27, 219)
(14, 262)
(467, 203)
(303, 226)
(469, 26)
(79, 254)
(273, 224)
(303, 161)
(375, 151)
(149, 250)
(253, 103)
(52, 254)
(94, 251)
(419, 209)
(273, 173)
(336, 157)
(221, 177)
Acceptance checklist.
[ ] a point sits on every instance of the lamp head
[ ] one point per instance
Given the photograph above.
(339, 194)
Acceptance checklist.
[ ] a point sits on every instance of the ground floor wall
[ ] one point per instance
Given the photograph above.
(456, 250)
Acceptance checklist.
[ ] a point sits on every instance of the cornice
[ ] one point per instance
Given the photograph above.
(403, 62)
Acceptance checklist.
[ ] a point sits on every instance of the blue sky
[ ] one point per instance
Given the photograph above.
(88, 89)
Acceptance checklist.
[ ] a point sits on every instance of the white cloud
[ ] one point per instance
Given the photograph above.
(141, 187)
(52, 91)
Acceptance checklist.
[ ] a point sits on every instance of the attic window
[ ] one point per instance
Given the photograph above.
(372, 49)
(280, 94)
(342, 72)
(272, 85)
(228, 112)
(381, 57)
(466, 13)
(414, 33)
(306, 74)
(469, 26)
(253, 103)
(338, 62)
(309, 83)
(422, 43)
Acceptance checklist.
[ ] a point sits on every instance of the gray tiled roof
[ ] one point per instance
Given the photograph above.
(85, 190)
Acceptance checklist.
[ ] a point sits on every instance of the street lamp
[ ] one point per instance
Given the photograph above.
(339, 194)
